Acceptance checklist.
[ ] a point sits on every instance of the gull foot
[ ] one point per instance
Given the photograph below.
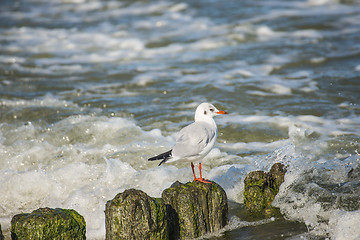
(202, 180)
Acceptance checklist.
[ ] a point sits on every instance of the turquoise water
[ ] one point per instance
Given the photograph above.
(89, 90)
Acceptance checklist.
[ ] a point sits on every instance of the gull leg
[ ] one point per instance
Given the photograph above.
(200, 170)
(192, 167)
(200, 179)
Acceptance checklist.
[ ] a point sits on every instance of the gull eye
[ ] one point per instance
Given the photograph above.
(211, 109)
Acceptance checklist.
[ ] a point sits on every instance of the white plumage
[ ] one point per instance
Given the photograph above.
(196, 140)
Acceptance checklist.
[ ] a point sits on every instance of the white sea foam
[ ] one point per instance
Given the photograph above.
(317, 60)
(46, 101)
(307, 34)
(302, 202)
(279, 89)
(73, 44)
(321, 2)
(239, 72)
(345, 225)
(265, 33)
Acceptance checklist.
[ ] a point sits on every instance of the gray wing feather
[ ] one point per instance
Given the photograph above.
(192, 139)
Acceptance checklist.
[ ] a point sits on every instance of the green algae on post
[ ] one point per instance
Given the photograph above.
(261, 189)
(48, 223)
(196, 208)
(134, 215)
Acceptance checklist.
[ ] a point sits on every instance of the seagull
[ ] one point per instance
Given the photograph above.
(194, 141)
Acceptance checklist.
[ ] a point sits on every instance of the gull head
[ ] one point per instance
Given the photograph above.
(206, 111)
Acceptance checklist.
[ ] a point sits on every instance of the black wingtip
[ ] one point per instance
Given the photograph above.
(153, 159)
(164, 157)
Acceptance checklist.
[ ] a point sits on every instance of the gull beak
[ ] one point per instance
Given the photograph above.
(221, 112)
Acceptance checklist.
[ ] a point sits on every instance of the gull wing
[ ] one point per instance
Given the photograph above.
(193, 139)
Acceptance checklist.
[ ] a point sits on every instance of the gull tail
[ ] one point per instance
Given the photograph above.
(164, 157)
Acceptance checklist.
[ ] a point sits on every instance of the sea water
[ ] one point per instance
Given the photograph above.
(89, 90)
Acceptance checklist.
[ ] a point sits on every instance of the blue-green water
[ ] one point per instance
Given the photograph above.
(90, 89)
